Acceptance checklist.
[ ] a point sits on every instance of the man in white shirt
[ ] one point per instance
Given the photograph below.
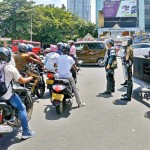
(64, 64)
(50, 58)
(11, 73)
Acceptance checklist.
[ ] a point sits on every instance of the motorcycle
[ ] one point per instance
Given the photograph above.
(62, 94)
(36, 86)
(50, 80)
(7, 111)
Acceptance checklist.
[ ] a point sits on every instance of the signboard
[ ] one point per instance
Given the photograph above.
(120, 8)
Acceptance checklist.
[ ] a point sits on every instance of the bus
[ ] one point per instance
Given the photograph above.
(36, 49)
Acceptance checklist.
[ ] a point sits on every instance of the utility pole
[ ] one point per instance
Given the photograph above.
(31, 30)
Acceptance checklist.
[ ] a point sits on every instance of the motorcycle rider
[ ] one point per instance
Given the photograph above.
(50, 59)
(128, 63)
(64, 64)
(110, 56)
(72, 52)
(59, 45)
(11, 73)
(22, 57)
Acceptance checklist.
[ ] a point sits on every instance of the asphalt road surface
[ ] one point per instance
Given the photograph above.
(105, 123)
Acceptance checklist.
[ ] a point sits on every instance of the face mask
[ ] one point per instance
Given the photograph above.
(2, 64)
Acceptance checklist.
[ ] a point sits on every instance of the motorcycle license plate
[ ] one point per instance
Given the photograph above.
(48, 81)
(56, 96)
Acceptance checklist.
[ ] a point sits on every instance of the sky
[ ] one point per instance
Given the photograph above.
(60, 2)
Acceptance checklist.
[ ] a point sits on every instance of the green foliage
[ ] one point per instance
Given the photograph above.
(50, 24)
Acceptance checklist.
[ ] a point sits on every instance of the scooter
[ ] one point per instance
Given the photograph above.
(62, 94)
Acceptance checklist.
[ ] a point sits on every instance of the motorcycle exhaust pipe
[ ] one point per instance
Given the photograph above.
(4, 129)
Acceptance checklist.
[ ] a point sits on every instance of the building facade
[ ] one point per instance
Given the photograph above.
(81, 8)
(143, 14)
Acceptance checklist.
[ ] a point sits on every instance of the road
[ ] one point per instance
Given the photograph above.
(105, 123)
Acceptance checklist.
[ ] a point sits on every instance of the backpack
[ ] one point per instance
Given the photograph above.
(3, 87)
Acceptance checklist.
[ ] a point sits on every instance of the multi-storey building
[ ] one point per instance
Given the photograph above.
(143, 13)
(81, 8)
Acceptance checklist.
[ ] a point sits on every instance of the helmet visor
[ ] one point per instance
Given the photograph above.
(3, 57)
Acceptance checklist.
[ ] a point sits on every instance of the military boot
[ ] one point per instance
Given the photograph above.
(113, 86)
(129, 91)
(108, 91)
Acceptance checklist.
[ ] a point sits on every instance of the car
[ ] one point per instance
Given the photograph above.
(91, 52)
(141, 49)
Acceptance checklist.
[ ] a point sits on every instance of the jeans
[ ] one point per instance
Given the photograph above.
(75, 89)
(16, 102)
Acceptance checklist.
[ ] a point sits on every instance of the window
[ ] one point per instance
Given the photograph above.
(136, 46)
(96, 46)
(145, 46)
(79, 46)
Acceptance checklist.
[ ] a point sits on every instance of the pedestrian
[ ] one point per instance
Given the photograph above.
(64, 64)
(128, 66)
(11, 73)
(110, 56)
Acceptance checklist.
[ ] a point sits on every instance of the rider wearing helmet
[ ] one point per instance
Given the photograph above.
(22, 57)
(109, 58)
(50, 58)
(11, 73)
(59, 45)
(128, 61)
(64, 65)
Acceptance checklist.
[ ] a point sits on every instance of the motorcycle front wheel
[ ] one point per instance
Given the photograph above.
(40, 89)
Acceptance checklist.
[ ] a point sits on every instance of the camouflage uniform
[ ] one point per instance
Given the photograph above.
(129, 54)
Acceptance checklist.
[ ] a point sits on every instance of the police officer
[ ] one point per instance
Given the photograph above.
(110, 56)
(128, 66)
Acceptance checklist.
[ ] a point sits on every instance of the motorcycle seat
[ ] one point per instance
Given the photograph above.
(64, 81)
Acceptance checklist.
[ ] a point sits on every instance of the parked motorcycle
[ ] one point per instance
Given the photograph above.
(7, 111)
(36, 86)
(62, 94)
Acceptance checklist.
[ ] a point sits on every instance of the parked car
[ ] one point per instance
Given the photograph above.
(141, 49)
(91, 52)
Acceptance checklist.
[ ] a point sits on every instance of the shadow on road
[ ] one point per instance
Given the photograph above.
(122, 89)
(147, 115)
(104, 96)
(50, 112)
(137, 96)
(7, 140)
(120, 102)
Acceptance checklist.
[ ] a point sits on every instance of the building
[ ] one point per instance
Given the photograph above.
(143, 15)
(81, 8)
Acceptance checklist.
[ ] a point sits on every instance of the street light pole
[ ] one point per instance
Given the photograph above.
(31, 30)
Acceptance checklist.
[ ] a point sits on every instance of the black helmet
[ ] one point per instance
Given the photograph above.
(5, 54)
(127, 41)
(130, 41)
(59, 45)
(65, 48)
(110, 41)
(22, 48)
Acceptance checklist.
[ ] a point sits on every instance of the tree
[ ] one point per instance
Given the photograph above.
(15, 18)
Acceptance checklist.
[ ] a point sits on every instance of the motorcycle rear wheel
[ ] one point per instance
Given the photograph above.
(59, 108)
(40, 89)
(28, 102)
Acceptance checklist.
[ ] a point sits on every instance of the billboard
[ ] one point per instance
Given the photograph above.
(120, 8)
